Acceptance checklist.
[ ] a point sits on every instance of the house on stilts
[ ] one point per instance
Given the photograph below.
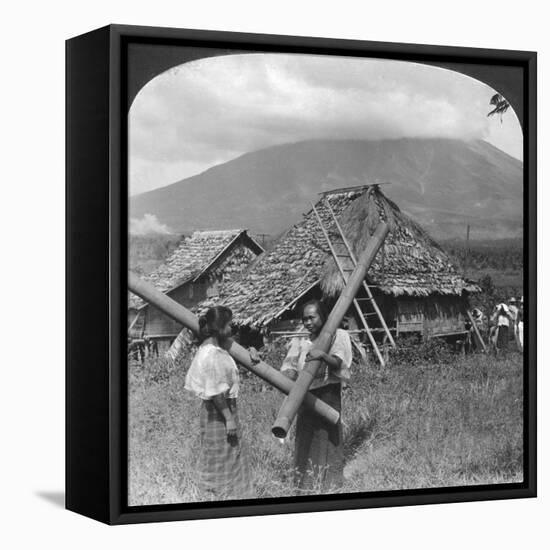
(192, 273)
(417, 288)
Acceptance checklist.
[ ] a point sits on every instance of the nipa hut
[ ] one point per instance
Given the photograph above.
(415, 284)
(192, 273)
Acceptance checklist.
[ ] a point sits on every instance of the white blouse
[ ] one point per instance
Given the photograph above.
(212, 372)
(340, 347)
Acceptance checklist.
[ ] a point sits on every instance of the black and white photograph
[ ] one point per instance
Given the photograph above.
(274, 275)
(347, 231)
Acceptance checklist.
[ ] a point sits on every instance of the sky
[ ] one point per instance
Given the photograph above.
(210, 111)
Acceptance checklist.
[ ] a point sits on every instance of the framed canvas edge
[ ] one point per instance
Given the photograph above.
(530, 259)
(290, 505)
(258, 40)
(87, 421)
(119, 512)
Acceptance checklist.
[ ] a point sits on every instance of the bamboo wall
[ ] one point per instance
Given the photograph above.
(159, 325)
(432, 316)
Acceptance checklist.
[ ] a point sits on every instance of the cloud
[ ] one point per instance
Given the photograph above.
(146, 225)
(212, 110)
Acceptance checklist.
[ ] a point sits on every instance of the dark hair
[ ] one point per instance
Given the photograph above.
(213, 321)
(319, 306)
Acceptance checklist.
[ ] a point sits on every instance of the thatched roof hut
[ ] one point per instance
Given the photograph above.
(197, 255)
(192, 273)
(410, 265)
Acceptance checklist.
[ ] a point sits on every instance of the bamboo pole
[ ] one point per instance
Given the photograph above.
(295, 398)
(182, 315)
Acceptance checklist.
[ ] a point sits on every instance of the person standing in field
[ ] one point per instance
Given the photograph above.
(519, 329)
(319, 454)
(223, 464)
(501, 319)
(513, 311)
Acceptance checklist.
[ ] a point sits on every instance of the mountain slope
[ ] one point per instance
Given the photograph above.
(442, 183)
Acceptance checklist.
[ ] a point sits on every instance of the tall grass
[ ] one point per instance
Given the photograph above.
(438, 425)
(447, 421)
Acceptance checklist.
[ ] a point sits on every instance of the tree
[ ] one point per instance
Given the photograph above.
(487, 285)
(500, 106)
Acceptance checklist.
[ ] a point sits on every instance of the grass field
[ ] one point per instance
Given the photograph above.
(430, 419)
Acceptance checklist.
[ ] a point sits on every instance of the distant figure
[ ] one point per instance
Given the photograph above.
(136, 349)
(151, 347)
(501, 322)
(133, 350)
(223, 467)
(519, 326)
(513, 309)
(319, 452)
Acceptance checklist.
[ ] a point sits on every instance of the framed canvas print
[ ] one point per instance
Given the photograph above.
(300, 274)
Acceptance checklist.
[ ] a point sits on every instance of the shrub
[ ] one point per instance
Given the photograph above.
(434, 351)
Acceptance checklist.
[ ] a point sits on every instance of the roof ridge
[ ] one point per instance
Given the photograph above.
(352, 189)
(218, 231)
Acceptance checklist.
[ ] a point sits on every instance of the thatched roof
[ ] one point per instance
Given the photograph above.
(193, 258)
(409, 263)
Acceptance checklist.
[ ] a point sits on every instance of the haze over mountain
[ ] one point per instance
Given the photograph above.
(443, 184)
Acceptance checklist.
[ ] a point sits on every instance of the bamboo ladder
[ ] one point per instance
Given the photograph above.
(361, 304)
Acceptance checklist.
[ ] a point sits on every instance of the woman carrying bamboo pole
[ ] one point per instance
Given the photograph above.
(223, 466)
(319, 454)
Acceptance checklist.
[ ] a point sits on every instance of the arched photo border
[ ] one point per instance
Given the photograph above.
(132, 56)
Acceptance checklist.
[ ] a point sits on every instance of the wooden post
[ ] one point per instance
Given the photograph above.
(476, 331)
(182, 315)
(295, 398)
(466, 250)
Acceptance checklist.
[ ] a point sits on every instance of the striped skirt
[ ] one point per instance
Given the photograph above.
(223, 465)
(319, 452)
(502, 337)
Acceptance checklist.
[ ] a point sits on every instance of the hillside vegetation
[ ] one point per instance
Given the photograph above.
(480, 256)
(496, 265)
(147, 252)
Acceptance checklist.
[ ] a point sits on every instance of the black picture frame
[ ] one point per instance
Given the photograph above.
(99, 90)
